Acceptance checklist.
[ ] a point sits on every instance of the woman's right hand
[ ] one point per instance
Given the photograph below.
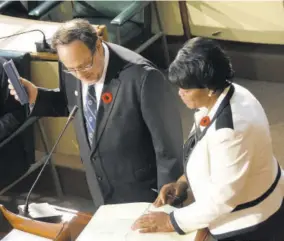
(30, 88)
(170, 192)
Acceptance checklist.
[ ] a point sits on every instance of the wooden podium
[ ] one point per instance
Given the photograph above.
(67, 230)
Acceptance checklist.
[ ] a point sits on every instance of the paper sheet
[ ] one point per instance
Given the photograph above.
(113, 223)
(18, 235)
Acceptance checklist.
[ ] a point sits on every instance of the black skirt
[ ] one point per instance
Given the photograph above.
(271, 229)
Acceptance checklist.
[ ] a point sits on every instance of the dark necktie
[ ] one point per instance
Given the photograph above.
(90, 111)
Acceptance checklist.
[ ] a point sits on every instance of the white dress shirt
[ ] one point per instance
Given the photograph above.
(99, 84)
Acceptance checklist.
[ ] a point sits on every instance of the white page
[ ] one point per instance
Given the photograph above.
(113, 223)
(121, 211)
(18, 235)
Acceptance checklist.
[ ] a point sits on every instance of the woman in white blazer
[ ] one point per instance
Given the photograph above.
(229, 163)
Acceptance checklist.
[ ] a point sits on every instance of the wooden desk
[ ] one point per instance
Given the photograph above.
(72, 224)
(78, 223)
(26, 42)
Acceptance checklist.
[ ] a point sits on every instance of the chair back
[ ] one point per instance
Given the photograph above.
(18, 8)
(103, 9)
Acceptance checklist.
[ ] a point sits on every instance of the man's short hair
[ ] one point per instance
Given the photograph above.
(76, 29)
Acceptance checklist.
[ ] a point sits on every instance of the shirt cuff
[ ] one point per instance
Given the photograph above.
(175, 224)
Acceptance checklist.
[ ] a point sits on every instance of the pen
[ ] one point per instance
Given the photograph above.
(169, 195)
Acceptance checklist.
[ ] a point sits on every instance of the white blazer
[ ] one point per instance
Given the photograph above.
(232, 164)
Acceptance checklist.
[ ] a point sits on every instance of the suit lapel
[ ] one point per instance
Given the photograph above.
(105, 110)
(111, 87)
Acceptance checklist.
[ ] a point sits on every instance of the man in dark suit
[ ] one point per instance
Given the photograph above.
(13, 161)
(128, 127)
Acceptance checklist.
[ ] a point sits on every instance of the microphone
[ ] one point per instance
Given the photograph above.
(40, 46)
(24, 209)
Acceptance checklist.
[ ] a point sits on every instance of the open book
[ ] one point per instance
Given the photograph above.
(113, 223)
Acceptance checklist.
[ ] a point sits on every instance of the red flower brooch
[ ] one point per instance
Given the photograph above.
(205, 121)
(107, 97)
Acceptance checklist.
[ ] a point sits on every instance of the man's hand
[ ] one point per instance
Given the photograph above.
(170, 192)
(30, 87)
(153, 222)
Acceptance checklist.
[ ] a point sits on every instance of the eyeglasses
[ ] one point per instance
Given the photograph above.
(82, 69)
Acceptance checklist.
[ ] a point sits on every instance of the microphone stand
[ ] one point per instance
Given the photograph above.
(40, 46)
(25, 210)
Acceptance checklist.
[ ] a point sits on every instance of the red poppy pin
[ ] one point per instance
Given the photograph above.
(107, 97)
(205, 121)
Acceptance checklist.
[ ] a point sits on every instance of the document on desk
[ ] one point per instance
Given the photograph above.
(113, 223)
(18, 235)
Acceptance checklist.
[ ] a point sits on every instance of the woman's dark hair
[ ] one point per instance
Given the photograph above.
(201, 63)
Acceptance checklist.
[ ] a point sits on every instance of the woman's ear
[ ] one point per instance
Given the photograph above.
(210, 93)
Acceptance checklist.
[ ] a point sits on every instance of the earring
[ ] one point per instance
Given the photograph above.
(210, 93)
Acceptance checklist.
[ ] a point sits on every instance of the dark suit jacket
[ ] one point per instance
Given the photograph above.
(13, 161)
(138, 133)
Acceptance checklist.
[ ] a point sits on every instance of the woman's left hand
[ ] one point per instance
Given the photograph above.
(154, 222)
